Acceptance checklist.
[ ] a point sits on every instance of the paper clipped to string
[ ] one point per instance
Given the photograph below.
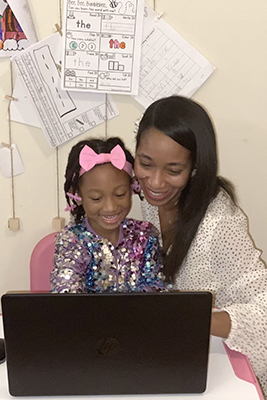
(102, 45)
(62, 115)
(5, 161)
(169, 64)
(17, 31)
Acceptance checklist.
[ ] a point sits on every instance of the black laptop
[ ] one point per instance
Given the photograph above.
(106, 344)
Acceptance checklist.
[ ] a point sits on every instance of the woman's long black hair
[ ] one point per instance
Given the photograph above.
(72, 173)
(188, 124)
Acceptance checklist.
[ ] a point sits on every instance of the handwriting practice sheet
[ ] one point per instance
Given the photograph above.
(102, 45)
(62, 115)
(169, 64)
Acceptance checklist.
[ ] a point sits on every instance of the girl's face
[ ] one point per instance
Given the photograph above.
(163, 167)
(106, 199)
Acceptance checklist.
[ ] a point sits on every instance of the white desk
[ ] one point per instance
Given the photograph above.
(222, 382)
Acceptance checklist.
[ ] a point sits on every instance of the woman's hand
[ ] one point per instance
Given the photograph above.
(220, 324)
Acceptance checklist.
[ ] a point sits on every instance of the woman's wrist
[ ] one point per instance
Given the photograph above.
(220, 324)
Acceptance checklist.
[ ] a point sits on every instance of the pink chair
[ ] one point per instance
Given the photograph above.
(41, 263)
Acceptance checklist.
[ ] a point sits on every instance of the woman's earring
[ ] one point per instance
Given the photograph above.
(193, 172)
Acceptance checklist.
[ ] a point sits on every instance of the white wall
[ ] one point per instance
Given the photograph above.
(233, 36)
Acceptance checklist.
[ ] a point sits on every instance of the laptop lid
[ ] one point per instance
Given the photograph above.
(106, 344)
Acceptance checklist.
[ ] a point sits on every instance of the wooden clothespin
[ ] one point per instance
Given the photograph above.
(58, 28)
(7, 145)
(10, 98)
(159, 16)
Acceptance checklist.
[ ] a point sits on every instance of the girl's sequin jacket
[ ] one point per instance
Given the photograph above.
(85, 262)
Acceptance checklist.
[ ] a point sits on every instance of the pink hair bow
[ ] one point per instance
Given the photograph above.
(75, 196)
(136, 187)
(89, 158)
(70, 208)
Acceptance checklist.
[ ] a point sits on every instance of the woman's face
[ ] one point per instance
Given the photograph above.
(163, 167)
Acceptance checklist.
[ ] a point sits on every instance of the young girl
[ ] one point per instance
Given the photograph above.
(102, 250)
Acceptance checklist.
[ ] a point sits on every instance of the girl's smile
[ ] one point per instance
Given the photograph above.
(111, 219)
(106, 199)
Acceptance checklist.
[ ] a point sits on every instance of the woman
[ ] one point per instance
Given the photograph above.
(204, 233)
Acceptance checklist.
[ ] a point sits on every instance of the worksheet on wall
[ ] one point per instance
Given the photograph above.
(62, 115)
(169, 64)
(102, 45)
(16, 27)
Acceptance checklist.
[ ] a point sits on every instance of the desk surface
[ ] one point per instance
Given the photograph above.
(222, 382)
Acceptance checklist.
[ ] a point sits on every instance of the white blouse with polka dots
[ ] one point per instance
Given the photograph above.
(222, 259)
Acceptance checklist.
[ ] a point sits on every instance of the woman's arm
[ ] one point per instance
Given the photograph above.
(242, 294)
(220, 324)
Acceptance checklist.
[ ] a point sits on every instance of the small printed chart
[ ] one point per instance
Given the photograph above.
(102, 45)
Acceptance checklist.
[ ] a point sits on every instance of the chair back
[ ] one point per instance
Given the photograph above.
(41, 263)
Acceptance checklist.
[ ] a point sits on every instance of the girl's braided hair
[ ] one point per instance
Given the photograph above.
(72, 173)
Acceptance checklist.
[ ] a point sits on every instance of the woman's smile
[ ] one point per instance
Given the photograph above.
(158, 195)
(162, 180)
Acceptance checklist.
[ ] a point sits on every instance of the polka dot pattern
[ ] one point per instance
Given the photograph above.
(222, 259)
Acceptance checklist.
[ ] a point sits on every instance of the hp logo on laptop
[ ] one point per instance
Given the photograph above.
(108, 346)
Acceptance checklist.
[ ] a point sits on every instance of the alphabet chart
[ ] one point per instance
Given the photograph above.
(102, 45)
(169, 64)
(62, 115)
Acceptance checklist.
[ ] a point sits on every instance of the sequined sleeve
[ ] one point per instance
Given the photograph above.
(71, 260)
(151, 276)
